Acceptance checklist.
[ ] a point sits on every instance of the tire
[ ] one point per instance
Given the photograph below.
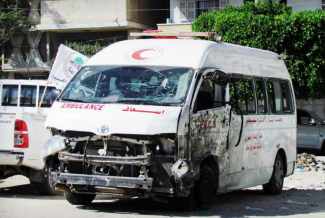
(79, 199)
(323, 149)
(184, 203)
(204, 188)
(45, 188)
(275, 185)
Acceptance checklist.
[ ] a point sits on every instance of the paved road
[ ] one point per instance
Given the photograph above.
(19, 199)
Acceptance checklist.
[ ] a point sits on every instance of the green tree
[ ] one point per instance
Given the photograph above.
(84, 48)
(13, 19)
(273, 27)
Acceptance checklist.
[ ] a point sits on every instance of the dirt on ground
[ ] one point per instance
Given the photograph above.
(303, 196)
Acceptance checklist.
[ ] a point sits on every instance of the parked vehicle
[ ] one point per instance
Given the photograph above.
(311, 130)
(173, 119)
(22, 130)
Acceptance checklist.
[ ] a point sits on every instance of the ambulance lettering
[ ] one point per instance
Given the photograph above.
(95, 107)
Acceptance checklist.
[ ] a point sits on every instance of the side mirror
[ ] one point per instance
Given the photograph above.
(54, 94)
(311, 121)
(220, 78)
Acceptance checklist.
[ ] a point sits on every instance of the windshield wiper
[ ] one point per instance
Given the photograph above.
(73, 100)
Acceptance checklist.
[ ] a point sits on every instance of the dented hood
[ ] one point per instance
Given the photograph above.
(108, 119)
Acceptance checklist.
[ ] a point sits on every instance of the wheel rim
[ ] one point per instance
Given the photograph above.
(205, 190)
(279, 172)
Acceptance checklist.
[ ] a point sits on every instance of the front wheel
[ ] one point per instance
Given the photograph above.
(79, 199)
(204, 188)
(275, 185)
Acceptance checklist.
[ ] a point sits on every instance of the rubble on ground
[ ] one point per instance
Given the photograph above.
(307, 162)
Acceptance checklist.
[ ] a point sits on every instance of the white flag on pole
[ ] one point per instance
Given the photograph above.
(67, 62)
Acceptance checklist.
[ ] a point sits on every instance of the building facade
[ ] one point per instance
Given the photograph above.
(183, 12)
(59, 21)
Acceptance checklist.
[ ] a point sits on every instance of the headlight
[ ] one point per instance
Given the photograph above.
(52, 146)
(180, 169)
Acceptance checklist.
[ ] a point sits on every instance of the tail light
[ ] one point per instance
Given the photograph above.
(21, 134)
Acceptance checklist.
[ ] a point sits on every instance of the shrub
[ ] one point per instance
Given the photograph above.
(273, 27)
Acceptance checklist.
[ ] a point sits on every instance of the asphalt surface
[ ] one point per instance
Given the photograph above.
(303, 196)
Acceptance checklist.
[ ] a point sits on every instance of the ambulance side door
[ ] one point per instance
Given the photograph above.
(209, 122)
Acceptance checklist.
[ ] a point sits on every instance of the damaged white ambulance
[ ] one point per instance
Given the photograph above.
(173, 119)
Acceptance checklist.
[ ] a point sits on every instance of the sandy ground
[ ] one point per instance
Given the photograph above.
(303, 196)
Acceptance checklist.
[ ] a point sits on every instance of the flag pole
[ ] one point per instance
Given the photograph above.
(48, 79)
(41, 101)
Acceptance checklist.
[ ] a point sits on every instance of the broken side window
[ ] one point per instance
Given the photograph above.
(210, 95)
(261, 95)
(241, 92)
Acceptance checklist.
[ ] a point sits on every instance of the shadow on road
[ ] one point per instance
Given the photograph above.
(238, 204)
(26, 191)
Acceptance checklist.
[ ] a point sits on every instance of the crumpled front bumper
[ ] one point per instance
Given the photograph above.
(95, 183)
(143, 160)
(69, 179)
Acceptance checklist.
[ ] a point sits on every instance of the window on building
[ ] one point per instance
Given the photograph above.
(280, 1)
(10, 95)
(223, 3)
(191, 9)
(187, 9)
(323, 4)
(206, 7)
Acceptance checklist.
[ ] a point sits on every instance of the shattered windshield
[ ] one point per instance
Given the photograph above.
(142, 85)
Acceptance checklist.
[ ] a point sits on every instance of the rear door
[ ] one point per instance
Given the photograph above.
(9, 100)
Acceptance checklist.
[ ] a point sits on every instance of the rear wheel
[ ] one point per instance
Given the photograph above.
(323, 148)
(204, 188)
(79, 199)
(275, 185)
(45, 188)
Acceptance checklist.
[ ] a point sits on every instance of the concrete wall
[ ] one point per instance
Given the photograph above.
(317, 106)
(175, 27)
(82, 11)
(235, 2)
(175, 13)
(299, 5)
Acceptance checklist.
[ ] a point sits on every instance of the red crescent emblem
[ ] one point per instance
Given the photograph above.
(136, 55)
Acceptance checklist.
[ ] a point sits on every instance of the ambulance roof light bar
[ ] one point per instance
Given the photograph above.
(163, 35)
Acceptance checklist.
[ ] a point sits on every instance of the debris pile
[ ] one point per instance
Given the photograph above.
(307, 162)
